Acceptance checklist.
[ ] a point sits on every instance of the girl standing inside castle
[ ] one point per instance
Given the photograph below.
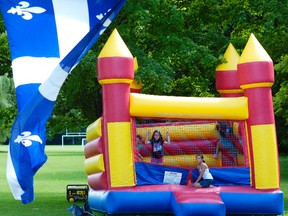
(205, 178)
(157, 142)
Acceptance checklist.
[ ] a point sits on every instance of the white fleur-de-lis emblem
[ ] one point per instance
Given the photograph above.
(26, 138)
(106, 23)
(25, 11)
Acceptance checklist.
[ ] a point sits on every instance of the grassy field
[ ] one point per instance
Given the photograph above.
(284, 179)
(65, 166)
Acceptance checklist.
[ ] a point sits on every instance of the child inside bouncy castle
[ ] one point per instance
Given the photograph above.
(205, 178)
(157, 141)
(225, 143)
(139, 143)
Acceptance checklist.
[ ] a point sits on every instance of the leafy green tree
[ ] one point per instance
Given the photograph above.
(156, 33)
(7, 107)
(7, 92)
(5, 61)
(281, 103)
(234, 21)
(178, 44)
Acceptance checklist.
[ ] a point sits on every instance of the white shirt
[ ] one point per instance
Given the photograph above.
(207, 174)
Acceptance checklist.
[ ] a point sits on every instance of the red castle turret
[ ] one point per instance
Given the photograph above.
(227, 83)
(256, 77)
(115, 73)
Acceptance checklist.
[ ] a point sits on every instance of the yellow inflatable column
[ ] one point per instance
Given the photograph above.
(115, 73)
(256, 77)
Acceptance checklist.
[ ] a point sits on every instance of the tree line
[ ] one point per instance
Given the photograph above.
(178, 45)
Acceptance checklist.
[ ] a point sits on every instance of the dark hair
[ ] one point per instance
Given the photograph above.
(224, 129)
(139, 139)
(201, 156)
(161, 140)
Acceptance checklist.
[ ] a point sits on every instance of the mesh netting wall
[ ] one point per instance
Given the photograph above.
(222, 143)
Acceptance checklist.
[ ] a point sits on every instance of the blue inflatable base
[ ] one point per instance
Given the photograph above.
(184, 200)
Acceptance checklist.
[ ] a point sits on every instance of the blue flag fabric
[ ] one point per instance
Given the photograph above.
(47, 39)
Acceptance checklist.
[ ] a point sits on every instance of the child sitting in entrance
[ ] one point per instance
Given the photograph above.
(205, 178)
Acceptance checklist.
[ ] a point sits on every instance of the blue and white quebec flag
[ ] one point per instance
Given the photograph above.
(47, 39)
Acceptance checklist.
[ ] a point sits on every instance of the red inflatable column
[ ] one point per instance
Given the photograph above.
(256, 77)
(115, 73)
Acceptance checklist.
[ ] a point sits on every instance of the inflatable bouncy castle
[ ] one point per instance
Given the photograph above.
(235, 133)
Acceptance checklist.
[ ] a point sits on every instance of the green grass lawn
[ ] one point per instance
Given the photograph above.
(284, 179)
(65, 166)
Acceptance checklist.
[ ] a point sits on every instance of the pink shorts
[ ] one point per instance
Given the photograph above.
(157, 160)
